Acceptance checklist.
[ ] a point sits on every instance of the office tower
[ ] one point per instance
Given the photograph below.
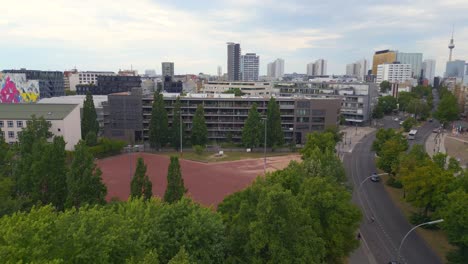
(320, 67)
(276, 69)
(451, 46)
(249, 67)
(455, 69)
(429, 70)
(382, 57)
(233, 61)
(167, 69)
(310, 69)
(414, 59)
(394, 73)
(220, 72)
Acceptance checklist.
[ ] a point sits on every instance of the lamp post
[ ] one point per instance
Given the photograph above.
(403, 240)
(264, 146)
(360, 185)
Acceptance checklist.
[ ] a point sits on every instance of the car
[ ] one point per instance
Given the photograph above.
(375, 177)
(396, 119)
(430, 120)
(436, 130)
(401, 123)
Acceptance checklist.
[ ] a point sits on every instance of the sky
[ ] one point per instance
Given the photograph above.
(119, 34)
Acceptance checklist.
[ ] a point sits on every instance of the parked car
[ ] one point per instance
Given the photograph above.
(375, 177)
(401, 123)
(430, 120)
(396, 119)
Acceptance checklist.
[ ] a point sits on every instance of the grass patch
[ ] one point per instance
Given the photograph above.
(436, 239)
(228, 156)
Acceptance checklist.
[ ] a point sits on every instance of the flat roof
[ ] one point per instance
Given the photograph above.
(25, 111)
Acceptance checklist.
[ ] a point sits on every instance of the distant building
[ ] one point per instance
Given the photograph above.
(167, 69)
(247, 88)
(150, 73)
(250, 67)
(455, 68)
(357, 69)
(172, 86)
(310, 69)
(393, 73)
(128, 73)
(414, 59)
(320, 67)
(110, 84)
(382, 57)
(64, 119)
(275, 69)
(428, 67)
(46, 83)
(233, 61)
(220, 72)
(74, 78)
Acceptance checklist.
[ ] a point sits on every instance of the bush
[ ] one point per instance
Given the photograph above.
(198, 149)
(392, 182)
(107, 147)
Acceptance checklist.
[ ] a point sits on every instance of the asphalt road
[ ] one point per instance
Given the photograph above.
(381, 238)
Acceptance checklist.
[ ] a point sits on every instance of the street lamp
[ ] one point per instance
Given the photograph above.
(403, 240)
(360, 185)
(264, 146)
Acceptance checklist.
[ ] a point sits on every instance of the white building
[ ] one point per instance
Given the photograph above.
(276, 69)
(167, 69)
(98, 100)
(428, 67)
(249, 67)
(87, 77)
(64, 119)
(310, 69)
(414, 59)
(247, 88)
(394, 73)
(357, 69)
(320, 67)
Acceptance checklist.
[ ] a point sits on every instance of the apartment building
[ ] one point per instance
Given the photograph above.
(110, 84)
(64, 119)
(247, 88)
(394, 73)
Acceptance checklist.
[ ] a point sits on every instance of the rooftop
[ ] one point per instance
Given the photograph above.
(25, 111)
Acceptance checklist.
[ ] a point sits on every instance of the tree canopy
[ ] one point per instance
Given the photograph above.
(253, 131)
(177, 127)
(141, 185)
(175, 189)
(89, 123)
(199, 129)
(385, 86)
(275, 135)
(447, 110)
(158, 128)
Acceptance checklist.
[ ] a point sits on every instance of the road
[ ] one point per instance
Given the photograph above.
(381, 238)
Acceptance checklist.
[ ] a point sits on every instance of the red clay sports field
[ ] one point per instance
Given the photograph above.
(207, 183)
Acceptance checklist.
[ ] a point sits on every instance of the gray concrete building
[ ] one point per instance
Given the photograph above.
(233, 61)
(250, 67)
(167, 69)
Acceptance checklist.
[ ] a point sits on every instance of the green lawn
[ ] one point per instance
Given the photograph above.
(436, 239)
(228, 156)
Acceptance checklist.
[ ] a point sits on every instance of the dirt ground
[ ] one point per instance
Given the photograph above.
(457, 147)
(207, 183)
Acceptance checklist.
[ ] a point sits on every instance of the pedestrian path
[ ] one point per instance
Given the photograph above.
(351, 137)
(435, 143)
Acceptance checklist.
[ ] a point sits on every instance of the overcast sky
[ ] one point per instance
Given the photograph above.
(114, 34)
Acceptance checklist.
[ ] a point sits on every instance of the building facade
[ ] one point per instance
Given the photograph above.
(86, 78)
(428, 69)
(382, 57)
(167, 69)
(275, 69)
(50, 83)
(64, 119)
(357, 69)
(247, 88)
(320, 67)
(357, 99)
(310, 69)
(233, 61)
(110, 84)
(413, 59)
(455, 68)
(394, 73)
(250, 67)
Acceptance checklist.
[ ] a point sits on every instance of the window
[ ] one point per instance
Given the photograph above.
(10, 123)
(11, 134)
(318, 112)
(1, 123)
(19, 124)
(59, 129)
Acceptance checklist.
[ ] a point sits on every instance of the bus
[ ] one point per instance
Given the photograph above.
(412, 134)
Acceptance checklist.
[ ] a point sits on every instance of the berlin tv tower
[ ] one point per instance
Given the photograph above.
(451, 46)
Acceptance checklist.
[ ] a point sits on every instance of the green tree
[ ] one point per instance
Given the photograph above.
(141, 185)
(275, 135)
(454, 165)
(378, 112)
(182, 257)
(235, 91)
(383, 135)
(409, 123)
(84, 181)
(5, 156)
(337, 135)
(440, 159)
(455, 213)
(177, 126)
(175, 189)
(89, 123)
(404, 99)
(199, 129)
(158, 128)
(253, 131)
(447, 110)
(323, 141)
(385, 86)
(419, 108)
(388, 156)
(387, 103)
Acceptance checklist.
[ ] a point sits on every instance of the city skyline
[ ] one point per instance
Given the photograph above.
(120, 37)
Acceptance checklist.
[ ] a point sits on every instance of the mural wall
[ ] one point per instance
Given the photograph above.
(15, 88)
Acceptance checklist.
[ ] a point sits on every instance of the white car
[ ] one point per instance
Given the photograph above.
(396, 119)
(401, 123)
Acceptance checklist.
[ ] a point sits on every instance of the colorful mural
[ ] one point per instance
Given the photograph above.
(15, 88)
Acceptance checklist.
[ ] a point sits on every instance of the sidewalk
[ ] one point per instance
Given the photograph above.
(351, 137)
(435, 143)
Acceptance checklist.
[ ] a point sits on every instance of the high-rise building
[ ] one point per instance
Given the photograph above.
(150, 73)
(414, 59)
(455, 69)
(249, 67)
(310, 69)
(320, 67)
(233, 61)
(382, 57)
(394, 73)
(167, 69)
(428, 67)
(357, 69)
(276, 69)
(220, 72)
